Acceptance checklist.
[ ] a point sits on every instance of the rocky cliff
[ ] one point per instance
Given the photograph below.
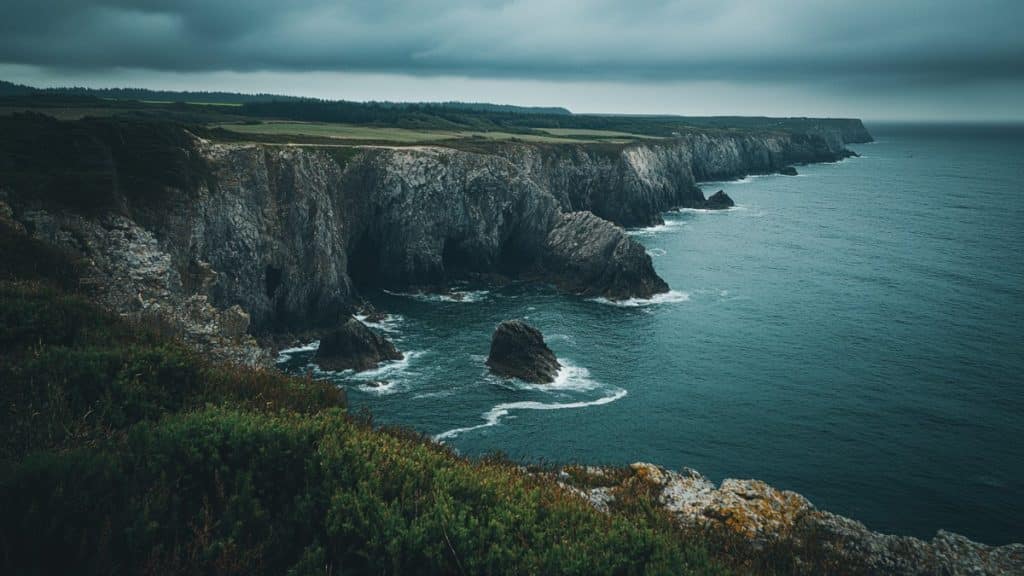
(289, 234)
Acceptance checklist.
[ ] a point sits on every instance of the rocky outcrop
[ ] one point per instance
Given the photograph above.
(592, 257)
(518, 351)
(289, 234)
(718, 201)
(756, 515)
(788, 171)
(129, 272)
(354, 346)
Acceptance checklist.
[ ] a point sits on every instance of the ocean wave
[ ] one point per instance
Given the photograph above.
(570, 378)
(656, 251)
(287, 354)
(657, 229)
(494, 416)
(389, 323)
(458, 296)
(669, 297)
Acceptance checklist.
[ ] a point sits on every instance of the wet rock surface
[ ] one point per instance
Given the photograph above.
(354, 346)
(788, 171)
(518, 351)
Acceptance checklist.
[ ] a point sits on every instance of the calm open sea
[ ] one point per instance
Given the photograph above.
(855, 334)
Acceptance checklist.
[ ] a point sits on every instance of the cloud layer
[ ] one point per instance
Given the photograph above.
(912, 42)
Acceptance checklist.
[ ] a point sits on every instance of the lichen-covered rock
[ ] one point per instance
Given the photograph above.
(762, 515)
(354, 346)
(592, 257)
(129, 272)
(518, 351)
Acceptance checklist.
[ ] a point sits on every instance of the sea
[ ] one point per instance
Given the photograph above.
(854, 333)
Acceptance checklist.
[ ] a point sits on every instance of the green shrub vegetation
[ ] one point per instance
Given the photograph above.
(123, 452)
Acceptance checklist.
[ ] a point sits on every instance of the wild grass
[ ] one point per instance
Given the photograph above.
(123, 452)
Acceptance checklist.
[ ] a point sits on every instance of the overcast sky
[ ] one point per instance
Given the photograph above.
(875, 59)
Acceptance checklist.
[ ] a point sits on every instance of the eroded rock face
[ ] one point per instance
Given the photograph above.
(288, 233)
(762, 515)
(518, 351)
(354, 346)
(718, 201)
(592, 257)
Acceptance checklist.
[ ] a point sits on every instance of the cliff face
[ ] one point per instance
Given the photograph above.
(633, 185)
(289, 233)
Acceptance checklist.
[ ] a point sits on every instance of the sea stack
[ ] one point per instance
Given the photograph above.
(518, 351)
(718, 201)
(354, 346)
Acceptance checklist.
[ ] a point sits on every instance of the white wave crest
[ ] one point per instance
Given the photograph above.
(389, 323)
(656, 251)
(493, 416)
(657, 229)
(669, 297)
(287, 353)
(570, 378)
(458, 296)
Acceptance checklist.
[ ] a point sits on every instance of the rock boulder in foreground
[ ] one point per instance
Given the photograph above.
(518, 351)
(354, 346)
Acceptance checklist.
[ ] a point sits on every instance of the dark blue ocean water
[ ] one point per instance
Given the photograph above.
(853, 333)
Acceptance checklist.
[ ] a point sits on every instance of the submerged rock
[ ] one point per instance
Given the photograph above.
(590, 256)
(788, 171)
(719, 201)
(518, 351)
(354, 346)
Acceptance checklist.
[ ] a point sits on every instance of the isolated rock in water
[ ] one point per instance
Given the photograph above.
(719, 201)
(590, 256)
(354, 346)
(518, 350)
(788, 171)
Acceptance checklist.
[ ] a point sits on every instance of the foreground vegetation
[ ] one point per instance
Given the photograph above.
(123, 452)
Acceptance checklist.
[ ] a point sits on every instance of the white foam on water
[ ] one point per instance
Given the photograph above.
(669, 225)
(379, 388)
(390, 323)
(670, 297)
(494, 416)
(457, 296)
(388, 368)
(286, 354)
(711, 211)
(569, 378)
(656, 251)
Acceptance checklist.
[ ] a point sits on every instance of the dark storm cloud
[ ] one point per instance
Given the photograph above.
(910, 41)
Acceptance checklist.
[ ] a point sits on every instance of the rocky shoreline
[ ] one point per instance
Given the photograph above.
(757, 517)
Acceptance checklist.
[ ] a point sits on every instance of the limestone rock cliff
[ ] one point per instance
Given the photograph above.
(289, 234)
